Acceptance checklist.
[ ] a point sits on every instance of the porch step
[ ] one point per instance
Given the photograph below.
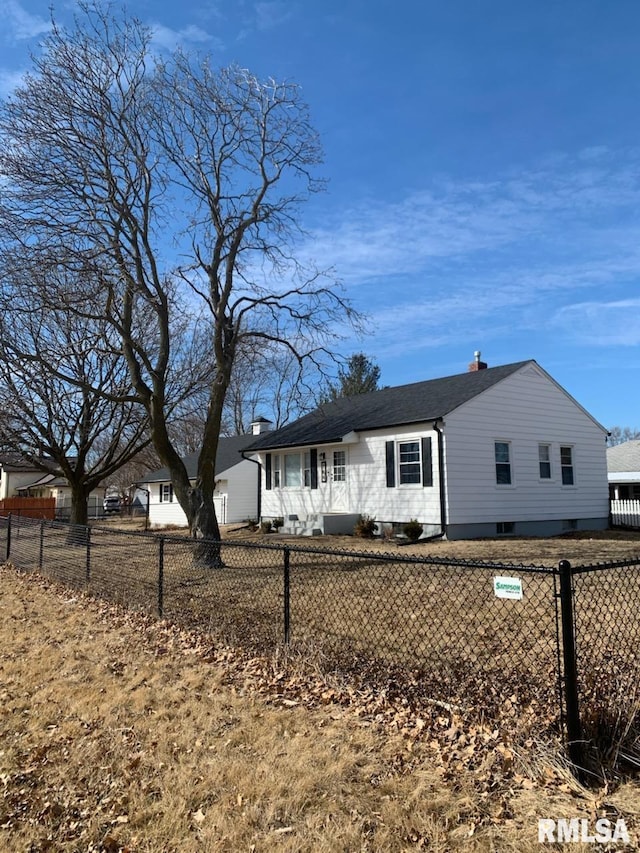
(302, 527)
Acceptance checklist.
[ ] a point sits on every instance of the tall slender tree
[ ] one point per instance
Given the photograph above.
(173, 185)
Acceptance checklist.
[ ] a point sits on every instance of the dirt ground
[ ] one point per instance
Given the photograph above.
(120, 733)
(579, 548)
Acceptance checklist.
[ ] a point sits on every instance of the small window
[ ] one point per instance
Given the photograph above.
(339, 466)
(544, 461)
(166, 493)
(409, 464)
(276, 471)
(503, 463)
(504, 528)
(566, 465)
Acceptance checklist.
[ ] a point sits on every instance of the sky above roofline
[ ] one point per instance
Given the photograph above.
(483, 164)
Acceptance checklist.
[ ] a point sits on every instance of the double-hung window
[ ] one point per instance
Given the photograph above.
(502, 450)
(544, 461)
(276, 471)
(409, 463)
(166, 493)
(566, 465)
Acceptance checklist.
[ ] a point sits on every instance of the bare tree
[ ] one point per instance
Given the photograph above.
(58, 380)
(618, 435)
(134, 472)
(268, 382)
(181, 186)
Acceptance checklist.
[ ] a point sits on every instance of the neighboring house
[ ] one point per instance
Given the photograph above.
(498, 451)
(16, 472)
(237, 483)
(52, 486)
(623, 466)
(21, 478)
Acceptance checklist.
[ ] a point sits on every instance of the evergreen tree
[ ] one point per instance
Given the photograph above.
(360, 376)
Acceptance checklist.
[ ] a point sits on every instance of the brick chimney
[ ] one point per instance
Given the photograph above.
(477, 364)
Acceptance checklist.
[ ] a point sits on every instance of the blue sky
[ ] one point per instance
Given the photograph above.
(483, 163)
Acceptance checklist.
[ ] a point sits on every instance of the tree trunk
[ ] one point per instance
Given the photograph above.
(205, 529)
(78, 523)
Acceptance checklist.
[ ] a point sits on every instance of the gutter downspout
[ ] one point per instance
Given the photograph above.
(259, 501)
(443, 492)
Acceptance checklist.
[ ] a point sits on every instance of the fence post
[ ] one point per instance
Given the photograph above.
(88, 554)
(160, 576)
(9, 537)
(41, 553)
(287, 612)
(574, 728)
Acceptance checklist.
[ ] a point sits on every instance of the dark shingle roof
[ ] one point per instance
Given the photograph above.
(227, 456)
(15, 462)
(390, 407)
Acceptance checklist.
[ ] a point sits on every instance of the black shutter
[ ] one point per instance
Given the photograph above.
(267, 471)
(170, 492)
(391, 464)
(427, 463)
(313, 463)
(160, 492)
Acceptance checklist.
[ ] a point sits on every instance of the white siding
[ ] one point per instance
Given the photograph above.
(238, 485)
(526, 409)
(366, 487)
(241, 487)
(167, 512)
(11, 481)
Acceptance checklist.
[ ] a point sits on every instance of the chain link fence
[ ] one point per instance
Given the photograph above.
(607, 633)
(565, 643)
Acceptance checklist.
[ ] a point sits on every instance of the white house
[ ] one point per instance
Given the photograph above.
(16, 472)
(18, 477)
(623, 466)
(493, 451)
(237, 483)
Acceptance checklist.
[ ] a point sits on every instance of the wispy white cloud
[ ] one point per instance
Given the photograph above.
(166, 38)
(9, 80)
(20, 24)
(495, 257)
(458, 220)
(271, 14)
(601, 323)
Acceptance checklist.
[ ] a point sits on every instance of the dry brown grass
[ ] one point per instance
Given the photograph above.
(580, 548)
(117, 732)
(470, 649)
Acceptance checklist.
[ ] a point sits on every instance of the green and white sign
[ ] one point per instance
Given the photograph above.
(508, 588)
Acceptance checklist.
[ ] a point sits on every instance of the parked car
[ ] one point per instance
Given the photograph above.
(111, 504)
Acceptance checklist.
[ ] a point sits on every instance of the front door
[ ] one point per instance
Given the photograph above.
(338, 476)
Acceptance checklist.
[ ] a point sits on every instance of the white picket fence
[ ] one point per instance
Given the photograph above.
(626, 513)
